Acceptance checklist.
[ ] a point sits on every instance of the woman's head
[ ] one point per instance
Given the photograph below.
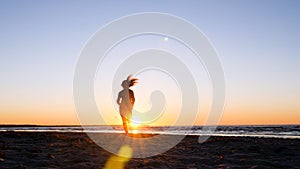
(129, 82)
(125, 84)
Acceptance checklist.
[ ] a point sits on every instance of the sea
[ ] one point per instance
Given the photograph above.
(266, 131)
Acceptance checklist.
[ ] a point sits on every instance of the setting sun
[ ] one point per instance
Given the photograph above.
(134, 125)
(135, 122)
(135, 131)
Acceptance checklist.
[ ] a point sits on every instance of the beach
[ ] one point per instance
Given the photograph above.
(77, 150)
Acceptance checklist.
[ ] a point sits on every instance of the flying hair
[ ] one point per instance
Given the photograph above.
(132, 80)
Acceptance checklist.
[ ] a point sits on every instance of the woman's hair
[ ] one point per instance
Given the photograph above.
(131, 80)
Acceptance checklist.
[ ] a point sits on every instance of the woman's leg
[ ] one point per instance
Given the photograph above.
(125, 125)
(129, 119)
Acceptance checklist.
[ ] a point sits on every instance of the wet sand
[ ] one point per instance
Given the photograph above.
(77, 150)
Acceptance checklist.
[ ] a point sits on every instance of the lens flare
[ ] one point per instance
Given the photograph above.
(119, 161)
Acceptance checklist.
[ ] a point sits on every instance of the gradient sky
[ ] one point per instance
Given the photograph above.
(258, 43)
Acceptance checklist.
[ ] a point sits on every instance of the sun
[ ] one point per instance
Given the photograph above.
(134, 125)
(135, 131)
(135, 122)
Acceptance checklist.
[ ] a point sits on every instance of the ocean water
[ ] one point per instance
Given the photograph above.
(267, 131)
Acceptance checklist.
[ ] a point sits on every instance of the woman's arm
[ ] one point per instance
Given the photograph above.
(132, 99)
(119, 99)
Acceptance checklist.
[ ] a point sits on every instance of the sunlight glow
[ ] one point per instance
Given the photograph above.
(135, 122)
(134, 125)
(135, 131)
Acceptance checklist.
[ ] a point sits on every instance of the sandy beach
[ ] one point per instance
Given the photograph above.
(77, 150)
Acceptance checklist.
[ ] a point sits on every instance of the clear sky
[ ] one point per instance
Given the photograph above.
(258, 43)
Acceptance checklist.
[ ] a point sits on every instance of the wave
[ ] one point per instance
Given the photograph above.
(278, 131)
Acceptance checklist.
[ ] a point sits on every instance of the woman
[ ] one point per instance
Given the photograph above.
(126, 100)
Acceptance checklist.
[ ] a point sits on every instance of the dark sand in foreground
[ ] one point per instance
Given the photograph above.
(76, 150)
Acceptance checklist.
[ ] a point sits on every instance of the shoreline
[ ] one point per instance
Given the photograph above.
(158, 133)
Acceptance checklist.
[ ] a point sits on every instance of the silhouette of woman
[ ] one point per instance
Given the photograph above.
(126, 101)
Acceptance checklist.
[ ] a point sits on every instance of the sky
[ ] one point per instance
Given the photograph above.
(257, 43)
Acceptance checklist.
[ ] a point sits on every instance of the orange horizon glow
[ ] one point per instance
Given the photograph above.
(228, 118)
(234, 114)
